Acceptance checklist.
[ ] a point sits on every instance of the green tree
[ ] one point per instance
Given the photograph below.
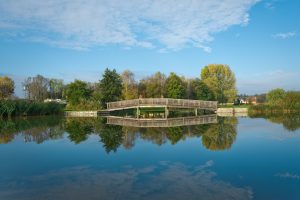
(276, 97)
(291, 101)
(56, 87)
(221, 81)
(77, 91)
(110, 87)
(130, 88)
(36, 88)
(175, 87)
(7, 87)
(202, 91)
(153, 86)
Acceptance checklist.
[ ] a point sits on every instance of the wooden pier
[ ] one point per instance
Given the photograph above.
(162, 102)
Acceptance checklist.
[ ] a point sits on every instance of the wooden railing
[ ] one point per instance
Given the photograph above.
(162, 102)
(163, 122)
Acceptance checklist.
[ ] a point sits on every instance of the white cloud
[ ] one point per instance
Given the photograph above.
(168, 181)
(80, 24)
(288, 175)
(284, 35)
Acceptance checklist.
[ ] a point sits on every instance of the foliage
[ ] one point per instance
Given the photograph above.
(276, 97)
(174, 134)
(21, 107)
(130, 87)
(111, 137)
(153, 86)
(174, 87)
(78, 129)
(7, 87)
(202, 91)
(110, 87)
(77, 91)
(56, 87)
(36, 88)
(291, 101)
(36, 129)
(221, 81)
(84, 104)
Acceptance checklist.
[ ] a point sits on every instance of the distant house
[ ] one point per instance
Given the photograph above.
(248, 100)
(253, 100)
(243, 101)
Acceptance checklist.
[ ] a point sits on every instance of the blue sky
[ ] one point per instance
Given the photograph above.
(77, 39)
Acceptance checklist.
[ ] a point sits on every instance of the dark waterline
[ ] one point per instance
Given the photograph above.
(75, 158)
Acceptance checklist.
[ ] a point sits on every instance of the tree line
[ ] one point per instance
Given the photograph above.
(278, 101)
(216, 82)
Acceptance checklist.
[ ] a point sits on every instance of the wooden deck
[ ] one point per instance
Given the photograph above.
(162, 122)
(162, 102)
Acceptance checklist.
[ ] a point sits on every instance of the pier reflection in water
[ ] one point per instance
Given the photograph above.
(162, 122)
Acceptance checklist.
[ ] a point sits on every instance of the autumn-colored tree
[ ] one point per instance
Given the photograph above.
(221, 81)
(153, 86)
(7, 87)
(36, 88)
(130, 87)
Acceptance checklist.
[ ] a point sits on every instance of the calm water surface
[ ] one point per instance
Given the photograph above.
(67, 158)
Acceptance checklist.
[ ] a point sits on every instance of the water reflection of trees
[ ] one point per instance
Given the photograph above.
(218, 136)
(290, 122)
(37, 129)
(222, 135)
(78, 129)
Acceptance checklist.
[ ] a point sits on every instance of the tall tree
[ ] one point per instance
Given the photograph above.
(221, 81)
(175, 87)
(110, 87)
(153, 86)
(56, 87)
(7, 87)
(130, 88)
(36, 88)
(202, 91)
(77, 91)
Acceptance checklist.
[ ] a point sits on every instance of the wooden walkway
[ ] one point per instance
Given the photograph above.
(162, 102)
(162, 122)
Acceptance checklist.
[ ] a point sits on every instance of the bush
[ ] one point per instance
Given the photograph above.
(27, 108)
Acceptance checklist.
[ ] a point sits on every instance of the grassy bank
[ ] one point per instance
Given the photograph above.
(28, 108)
(265, 109)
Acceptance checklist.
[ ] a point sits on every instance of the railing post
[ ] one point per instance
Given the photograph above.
(166, 112)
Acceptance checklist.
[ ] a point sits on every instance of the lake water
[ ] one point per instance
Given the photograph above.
(74, 158)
